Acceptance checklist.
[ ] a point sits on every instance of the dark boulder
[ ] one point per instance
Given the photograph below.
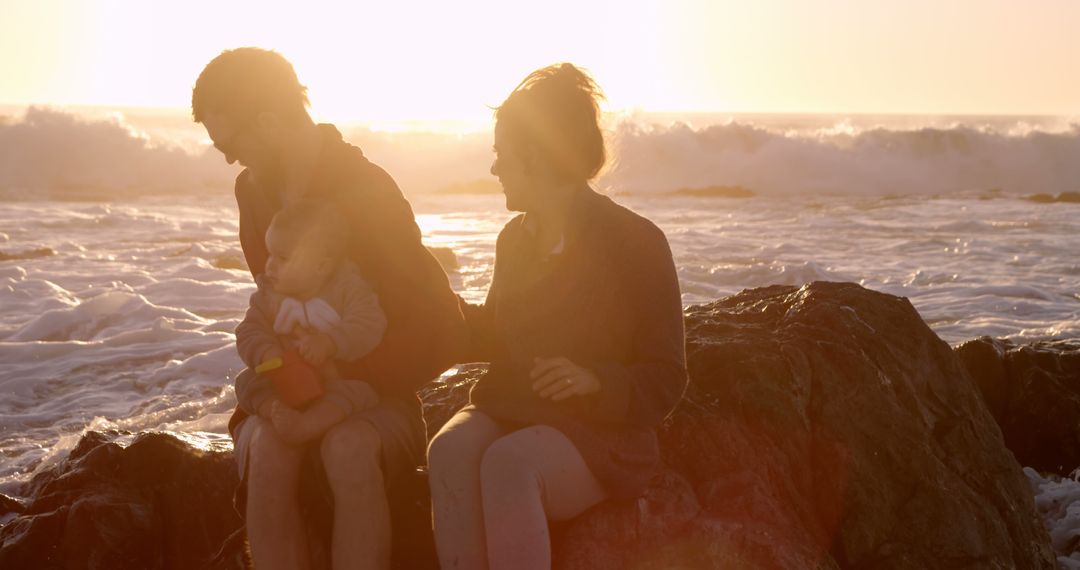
(1033, 391)
(157, 502)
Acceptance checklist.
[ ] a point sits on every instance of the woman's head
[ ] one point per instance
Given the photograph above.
(306, 242)
(547, 133)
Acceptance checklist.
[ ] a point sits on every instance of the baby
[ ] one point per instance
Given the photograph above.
(313, 300)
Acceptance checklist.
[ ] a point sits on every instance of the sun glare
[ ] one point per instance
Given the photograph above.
(392, 63)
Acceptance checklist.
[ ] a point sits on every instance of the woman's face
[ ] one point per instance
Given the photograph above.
(511, 169)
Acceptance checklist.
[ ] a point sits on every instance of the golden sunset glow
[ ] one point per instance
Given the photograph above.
(422, 61)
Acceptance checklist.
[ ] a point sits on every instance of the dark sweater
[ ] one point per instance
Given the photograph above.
(425, 328)
(609, 302)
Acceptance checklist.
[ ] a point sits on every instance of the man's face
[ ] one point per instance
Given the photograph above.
(239, 140)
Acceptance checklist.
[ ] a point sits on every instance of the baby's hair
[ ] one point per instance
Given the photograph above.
(313, 221)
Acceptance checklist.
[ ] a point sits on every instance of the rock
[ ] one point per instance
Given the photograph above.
(829, 427)
(28, 254)
(476, 186)
(158, 502)
(825, 427)
(714, 192)
(1042, 198)
(10, 506)
(1063, 197)
(446, 258)
(1033, 391)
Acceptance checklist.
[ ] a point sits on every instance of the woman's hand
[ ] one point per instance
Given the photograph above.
(558, 378)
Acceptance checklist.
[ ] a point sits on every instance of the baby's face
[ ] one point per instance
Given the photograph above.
(294, 267)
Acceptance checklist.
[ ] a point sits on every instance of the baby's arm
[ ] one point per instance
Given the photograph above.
(256, 342)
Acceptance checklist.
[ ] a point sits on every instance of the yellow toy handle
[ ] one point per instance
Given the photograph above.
(272, 364)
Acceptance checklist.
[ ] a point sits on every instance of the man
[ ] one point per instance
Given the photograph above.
(255, 111)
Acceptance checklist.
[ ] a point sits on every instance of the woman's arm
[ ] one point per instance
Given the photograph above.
(645, 390)
(480, 320)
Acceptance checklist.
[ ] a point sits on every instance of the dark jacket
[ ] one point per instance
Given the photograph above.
(425, 328)
(609, 302)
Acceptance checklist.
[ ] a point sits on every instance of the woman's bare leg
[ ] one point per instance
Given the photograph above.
(528, 477)
(454, 457)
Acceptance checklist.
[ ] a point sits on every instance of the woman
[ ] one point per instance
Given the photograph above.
(583, 329)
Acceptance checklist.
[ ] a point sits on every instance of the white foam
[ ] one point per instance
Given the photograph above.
(1058, 501)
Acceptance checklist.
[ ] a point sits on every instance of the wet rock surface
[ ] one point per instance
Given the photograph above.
(156, 501)
(1033, 391)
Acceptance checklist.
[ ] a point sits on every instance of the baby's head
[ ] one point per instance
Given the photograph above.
(306, 244)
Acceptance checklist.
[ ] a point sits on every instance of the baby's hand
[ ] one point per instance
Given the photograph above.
(290, 424)
(317, 348)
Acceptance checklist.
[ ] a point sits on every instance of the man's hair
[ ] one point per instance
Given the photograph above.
(556, 111)
(246, 81)
(316, 224)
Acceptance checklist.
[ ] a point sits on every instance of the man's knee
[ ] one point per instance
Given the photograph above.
(351, 451)
(267, 452)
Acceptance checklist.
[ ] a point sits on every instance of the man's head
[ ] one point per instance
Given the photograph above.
(249, 99)
(306, 242)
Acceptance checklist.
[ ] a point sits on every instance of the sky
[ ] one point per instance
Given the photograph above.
(398, 60)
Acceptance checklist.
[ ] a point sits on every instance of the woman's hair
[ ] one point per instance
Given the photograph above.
(247, 81)
(316, 223)
(556, 112)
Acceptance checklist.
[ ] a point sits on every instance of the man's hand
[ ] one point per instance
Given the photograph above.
(558, 378)
(317, 348)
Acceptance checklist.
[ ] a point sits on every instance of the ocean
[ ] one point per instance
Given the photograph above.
(121, 277)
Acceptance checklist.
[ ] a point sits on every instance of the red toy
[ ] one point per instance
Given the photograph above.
(296, 381)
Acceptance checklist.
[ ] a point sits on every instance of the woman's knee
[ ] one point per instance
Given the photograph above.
(512, 457)
(351, 450)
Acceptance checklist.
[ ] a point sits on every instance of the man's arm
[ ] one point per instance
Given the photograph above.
(425, 329)
(363, 321)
